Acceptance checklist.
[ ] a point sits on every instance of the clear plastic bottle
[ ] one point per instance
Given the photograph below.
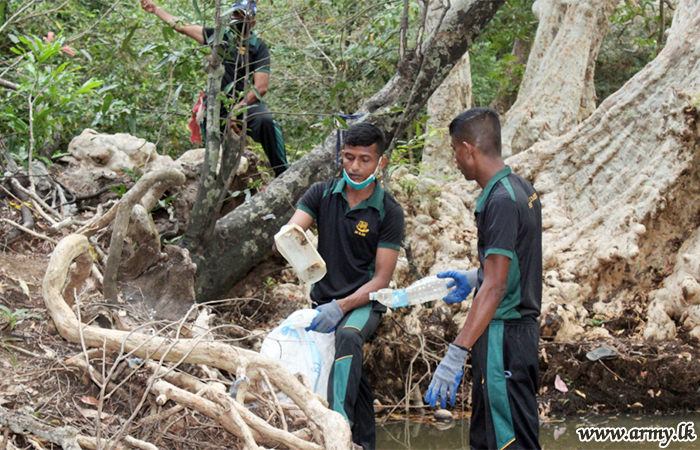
(424, 290)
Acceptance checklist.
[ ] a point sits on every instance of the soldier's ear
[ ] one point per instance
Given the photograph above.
(383, 161)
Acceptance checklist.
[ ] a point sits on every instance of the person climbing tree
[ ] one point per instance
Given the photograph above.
(244, 54)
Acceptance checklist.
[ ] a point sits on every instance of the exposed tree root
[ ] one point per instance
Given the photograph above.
(243, 363)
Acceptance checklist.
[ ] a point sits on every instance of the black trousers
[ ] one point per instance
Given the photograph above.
(504, 389)
(265, 131)
(349, 392)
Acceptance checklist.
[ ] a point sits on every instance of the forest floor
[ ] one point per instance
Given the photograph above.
(648, 378)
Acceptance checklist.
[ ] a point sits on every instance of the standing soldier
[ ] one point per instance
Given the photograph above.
(501, 331)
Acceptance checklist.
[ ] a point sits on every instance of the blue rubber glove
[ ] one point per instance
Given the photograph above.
(460, 278)
(329, 314)
(447, 377)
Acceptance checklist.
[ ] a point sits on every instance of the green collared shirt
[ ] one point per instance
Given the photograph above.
(509, 222)
(348, 239)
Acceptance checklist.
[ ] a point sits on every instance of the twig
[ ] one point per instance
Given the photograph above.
(32, 142)
(275, 400)
(40, 203)
(19, 11)
(26, 352)
(330, 61)
(8, 84)
(28, 231)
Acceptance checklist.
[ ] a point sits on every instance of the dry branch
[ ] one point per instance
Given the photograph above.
(28, 231)
(20, 423)
(333, 426)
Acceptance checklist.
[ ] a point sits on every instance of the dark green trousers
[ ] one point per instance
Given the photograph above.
(349, 392)
(265, 131)
(504, 389)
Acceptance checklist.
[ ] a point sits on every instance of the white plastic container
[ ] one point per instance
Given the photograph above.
(292, 243)
(424, 290)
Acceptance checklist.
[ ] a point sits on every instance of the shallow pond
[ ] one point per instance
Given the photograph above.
(415, 435)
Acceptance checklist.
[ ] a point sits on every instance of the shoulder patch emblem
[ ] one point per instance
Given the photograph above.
(532, 198)
(362, 228)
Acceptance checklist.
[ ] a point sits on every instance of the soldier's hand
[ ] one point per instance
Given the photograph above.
(149, 6)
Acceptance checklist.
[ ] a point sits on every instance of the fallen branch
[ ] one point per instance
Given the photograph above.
(334, 428)
(27, 218)
(39, 202)
(8, 84)
(28, 231)
(20, 423)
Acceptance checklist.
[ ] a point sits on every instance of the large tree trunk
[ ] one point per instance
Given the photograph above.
(452, 97)
(557, 86)
(244, 236)
(621, 195)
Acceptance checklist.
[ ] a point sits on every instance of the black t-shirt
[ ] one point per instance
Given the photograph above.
(509, 221)
(348, 238)
(258, 59)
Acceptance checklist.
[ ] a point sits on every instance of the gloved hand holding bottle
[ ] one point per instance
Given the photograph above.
(464, 280)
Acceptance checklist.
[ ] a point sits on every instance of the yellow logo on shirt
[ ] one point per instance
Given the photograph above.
(362, 228)
(532, 198)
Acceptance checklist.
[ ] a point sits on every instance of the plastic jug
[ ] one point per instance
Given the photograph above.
(292, 243)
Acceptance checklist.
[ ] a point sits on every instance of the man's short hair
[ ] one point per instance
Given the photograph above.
(479, 127)
(364, 134)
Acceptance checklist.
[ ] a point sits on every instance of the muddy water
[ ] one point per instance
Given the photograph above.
(553, 435)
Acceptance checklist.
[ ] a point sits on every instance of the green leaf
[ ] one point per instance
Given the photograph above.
(86, 54)
(147, 48)
(107, 88)
(197, 11)
(88, 86)
(13, 38)
(106, 103)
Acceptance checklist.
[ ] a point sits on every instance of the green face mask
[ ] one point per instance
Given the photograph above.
(362, 184)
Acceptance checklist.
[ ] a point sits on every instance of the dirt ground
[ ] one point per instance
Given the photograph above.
(641, 378)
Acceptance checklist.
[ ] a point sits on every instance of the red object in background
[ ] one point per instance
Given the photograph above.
(195, 132)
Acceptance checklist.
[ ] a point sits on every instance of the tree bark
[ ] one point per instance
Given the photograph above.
(452, 97)
(215, 179)
(244, 236)
(621, 192)
(557, 90)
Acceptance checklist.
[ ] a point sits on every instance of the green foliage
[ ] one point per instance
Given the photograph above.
(632, 43)
(495, 71)
(12, 318)
(48, 84)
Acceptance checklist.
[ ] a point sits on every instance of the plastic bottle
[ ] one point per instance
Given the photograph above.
(423, 290)
(292, 243)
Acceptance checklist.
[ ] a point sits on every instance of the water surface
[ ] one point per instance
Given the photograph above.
(416, 435)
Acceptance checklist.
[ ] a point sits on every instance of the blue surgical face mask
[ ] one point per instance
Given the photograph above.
(362, 184)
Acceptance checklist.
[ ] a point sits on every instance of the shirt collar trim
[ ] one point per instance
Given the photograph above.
(481, 201)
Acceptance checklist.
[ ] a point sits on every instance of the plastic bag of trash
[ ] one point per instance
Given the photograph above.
(298, 350)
